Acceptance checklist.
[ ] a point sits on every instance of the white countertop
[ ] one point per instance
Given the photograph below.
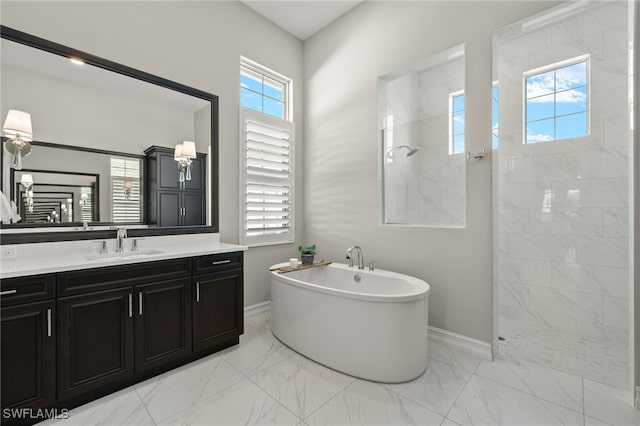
(44, 258)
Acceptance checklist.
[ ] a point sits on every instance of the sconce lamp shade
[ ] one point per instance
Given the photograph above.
(177, 154)
(188, 149)
(127, 185)
(18, 124)
(27, 180)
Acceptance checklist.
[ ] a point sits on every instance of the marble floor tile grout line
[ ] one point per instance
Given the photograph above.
(584, 407)
(330, 399)
(446, 415)
(529, 393)
(353, 380)
(274, 397)
(145, 406)
(215, 395)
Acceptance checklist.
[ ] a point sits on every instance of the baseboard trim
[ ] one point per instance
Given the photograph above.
(257, 309)
(464, 343)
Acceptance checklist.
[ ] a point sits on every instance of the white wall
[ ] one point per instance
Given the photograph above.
(69, 113)
(195, 43)
(341, 65)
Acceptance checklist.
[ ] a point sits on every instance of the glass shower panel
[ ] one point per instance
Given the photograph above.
(422, 155)
(562, 174)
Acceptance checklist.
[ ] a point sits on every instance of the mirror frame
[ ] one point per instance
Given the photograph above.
(89, 59)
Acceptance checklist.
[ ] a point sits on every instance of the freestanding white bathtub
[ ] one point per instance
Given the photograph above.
(375, 329)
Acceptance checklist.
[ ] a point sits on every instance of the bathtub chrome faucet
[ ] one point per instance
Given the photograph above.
(360, 257)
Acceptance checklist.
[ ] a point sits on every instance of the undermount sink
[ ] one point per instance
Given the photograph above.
(124, 255)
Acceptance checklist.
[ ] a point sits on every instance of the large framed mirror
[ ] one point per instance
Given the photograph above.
(104, 136)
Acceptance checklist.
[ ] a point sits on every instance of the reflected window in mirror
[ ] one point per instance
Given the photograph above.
(125, 190)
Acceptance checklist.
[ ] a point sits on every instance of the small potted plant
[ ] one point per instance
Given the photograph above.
(307, 253)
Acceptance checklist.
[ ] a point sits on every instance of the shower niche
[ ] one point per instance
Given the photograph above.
(422, 142)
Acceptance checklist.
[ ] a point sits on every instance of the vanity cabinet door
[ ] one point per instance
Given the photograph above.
(198, 169)
(168, 176)
(217, 308)
(169, 208)
(28, 355)
(162, 322)
(95, 340)
(193, 209)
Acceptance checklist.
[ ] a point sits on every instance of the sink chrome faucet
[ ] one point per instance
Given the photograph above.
(121, 236)
(360, 257)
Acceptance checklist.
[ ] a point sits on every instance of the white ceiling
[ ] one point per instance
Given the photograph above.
(302, 18)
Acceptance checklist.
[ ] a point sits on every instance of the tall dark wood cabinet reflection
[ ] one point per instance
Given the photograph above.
(171, 202)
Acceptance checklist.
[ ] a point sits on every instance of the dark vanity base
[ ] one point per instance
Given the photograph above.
(102, 392)
(72, 337)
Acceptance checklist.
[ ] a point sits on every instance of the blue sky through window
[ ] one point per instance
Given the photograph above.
(557, 103)
(261, 93)
(457, 124)
(494, 115)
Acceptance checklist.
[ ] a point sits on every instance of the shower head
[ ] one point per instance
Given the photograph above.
(409, 154)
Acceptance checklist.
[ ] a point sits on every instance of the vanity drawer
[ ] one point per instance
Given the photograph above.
(33, 288)
(96, 279)
(217, 262)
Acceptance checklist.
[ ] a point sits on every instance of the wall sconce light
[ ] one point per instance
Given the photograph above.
(183, 154)
(83, 199)
(126, 187)
(17, 127)
(27, 182)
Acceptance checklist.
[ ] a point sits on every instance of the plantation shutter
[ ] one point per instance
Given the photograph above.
(267, 179)
(125, 170)
(87, 209)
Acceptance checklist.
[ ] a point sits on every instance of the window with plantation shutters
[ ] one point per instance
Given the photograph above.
(86, 207)
(125, 190)
(267, 179)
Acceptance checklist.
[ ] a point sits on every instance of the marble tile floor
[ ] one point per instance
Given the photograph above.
(262, 382)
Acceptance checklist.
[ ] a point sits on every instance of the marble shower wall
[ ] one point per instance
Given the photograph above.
(561, 208)
(428, 188)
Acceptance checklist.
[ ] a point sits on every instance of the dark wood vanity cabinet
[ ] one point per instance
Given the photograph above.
(171, 202)
(217, 312)
(71, 337)
(27, 329)
(162, 323)
(95, 340)
(218, 299)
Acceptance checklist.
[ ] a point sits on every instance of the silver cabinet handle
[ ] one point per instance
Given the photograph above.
(197, 291)
(130, 305)
(221, 262)
(8, 292)
(140, 300)
(49, 322)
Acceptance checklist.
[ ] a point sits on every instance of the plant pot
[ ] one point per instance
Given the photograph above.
(307, 259)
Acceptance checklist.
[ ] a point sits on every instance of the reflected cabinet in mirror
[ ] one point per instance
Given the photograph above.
(94, 142)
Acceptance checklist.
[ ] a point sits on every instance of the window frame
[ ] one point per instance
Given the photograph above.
(586, 59)
(287, 92)
(452, 135)
(116, 182)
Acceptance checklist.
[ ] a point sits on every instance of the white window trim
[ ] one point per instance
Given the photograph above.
(247, 115)
(267, 72)
(556, 65)
(451, 124)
